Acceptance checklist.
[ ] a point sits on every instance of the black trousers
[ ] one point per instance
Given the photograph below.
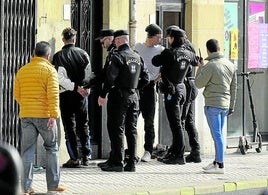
(122, 116)
(173, 106)
(74, 114)
(188, 122)
(147, 109)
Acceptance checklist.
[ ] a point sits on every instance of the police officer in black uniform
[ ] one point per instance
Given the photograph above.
(125, 75)
(188, 117)
(175, 63)
(106, 39)
(188, 111)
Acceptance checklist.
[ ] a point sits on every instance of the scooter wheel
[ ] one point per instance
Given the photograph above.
(259, 140)
(243, 145)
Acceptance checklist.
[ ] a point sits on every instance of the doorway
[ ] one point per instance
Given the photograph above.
(167, 14)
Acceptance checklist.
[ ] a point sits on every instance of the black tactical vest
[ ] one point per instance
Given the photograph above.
(177, 71)
(129, 70)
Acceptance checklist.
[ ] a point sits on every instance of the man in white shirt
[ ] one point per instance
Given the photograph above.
(148, 50)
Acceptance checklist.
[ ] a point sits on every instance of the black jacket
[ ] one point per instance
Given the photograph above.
(175, 63)
(99, 78)
(126, 71)
(75, 61)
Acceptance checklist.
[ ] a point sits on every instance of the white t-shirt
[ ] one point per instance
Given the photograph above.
(147, 53)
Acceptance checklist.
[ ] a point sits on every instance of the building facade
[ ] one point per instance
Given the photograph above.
(235, 23)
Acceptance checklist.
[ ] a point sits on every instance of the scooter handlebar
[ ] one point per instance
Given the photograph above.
(249, 73)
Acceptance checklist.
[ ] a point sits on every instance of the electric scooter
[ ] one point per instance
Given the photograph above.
(244, 144)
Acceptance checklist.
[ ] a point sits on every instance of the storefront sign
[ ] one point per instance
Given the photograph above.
(258, 46)
(257, 37)
(234, 44)
(230, 28)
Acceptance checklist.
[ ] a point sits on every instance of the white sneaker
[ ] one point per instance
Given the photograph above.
(146, 157)
(214, 170)
(210, 166)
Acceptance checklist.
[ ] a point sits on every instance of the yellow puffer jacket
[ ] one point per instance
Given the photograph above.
(36, 89)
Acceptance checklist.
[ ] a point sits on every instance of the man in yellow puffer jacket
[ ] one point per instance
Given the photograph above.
(36, 90)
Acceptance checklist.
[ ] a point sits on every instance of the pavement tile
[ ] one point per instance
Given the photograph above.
(241, 172)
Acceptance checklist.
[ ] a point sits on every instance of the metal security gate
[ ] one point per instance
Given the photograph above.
(80, 21)
(80, 10)
(86, 18)
(17, 39)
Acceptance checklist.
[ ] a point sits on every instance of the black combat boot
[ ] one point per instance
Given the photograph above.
(113, 168)
(130, 166)
(167, 155)
(194, 156)
(104, 164)
(175, 159)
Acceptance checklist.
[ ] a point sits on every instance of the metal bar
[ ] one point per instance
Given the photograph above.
(2, 60)
(17, 39)
(245, 6)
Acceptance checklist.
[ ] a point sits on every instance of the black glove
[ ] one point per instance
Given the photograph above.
(230, 112)
(200, 59)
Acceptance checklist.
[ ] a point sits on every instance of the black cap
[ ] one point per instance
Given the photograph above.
(153, 29)
(120, 33)
(168, 30)
(177, 33)
(105, 33)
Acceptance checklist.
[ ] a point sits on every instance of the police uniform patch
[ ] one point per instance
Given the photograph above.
(133, 63)
(183, 61)
(183, 64)
(133, 68)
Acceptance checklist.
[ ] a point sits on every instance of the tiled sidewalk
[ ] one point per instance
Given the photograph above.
(241, 172)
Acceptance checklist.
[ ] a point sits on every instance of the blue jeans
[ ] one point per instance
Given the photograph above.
(30, 129)
(216, 118)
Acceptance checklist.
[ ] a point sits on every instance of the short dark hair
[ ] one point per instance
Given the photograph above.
(212, 45)
(68, 33)
(42, 49)
(153, 30)
(177, 42)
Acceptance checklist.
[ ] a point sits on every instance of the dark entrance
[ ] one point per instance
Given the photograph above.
(168, 13)
(17, 40)
(87, 20)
